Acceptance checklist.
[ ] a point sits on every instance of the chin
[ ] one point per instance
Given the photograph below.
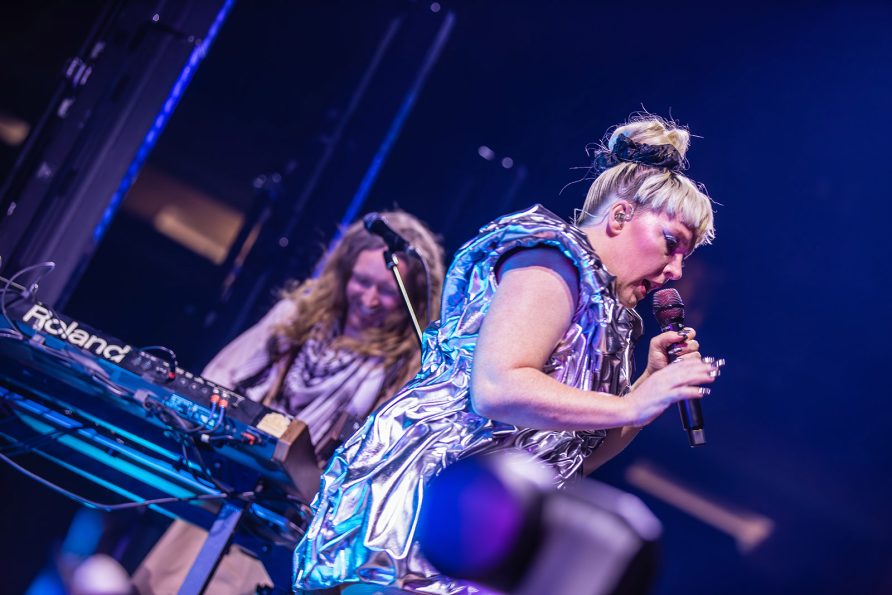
(629, 300)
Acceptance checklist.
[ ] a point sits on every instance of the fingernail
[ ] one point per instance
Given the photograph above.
(683, 333)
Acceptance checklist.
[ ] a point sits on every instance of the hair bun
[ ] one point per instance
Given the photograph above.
(649, 129)
(624, 149)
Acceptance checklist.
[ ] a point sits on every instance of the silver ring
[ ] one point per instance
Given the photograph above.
(704, 391)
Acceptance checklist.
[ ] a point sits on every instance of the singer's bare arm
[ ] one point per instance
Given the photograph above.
(532, 308)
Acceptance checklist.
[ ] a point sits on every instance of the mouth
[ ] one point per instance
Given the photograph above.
(650, 286)
(640, 290)
(365, 313)
(370, 314)
(645, 287)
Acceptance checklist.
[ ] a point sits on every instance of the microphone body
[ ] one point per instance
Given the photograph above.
(376, 225)
(669, 312)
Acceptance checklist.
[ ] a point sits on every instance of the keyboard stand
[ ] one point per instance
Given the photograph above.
(218, 539)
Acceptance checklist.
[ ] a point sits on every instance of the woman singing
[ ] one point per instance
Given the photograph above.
(533, 351)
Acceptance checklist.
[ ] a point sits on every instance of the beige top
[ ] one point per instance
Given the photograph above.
(321, 384)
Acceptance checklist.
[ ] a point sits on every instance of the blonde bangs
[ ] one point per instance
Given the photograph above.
(678, 196)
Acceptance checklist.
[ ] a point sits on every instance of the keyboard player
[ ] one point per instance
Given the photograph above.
(332, 348)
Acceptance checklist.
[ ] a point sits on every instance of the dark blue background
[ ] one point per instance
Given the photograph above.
(790, 105)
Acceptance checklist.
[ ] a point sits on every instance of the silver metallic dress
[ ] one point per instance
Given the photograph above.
(371, 492)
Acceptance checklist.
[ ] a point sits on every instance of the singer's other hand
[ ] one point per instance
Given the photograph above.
(671, 343)
(688, 378)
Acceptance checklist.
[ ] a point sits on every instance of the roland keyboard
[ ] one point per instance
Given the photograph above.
(122, 416)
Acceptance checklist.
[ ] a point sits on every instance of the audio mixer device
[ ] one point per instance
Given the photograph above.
(132, 421)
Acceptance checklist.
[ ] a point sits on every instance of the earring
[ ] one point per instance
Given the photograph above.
(621, 217)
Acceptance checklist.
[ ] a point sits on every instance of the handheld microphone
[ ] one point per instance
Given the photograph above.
(669, 312)
(376, 225)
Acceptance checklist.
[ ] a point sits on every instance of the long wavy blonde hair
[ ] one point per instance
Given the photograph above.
(321, 302)
(652, 187)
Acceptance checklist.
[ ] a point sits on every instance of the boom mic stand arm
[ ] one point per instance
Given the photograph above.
(391, 261)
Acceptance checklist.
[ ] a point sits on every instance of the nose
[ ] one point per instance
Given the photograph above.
(370, 297)
(673, 270)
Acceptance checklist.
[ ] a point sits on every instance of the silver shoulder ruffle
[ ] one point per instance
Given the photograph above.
(371, 492)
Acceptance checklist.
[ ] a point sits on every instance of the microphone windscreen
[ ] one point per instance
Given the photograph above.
(668, 307)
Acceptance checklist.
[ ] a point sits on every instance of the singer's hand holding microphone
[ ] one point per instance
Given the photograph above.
(685, 381)
(689, 378)
(671, 345)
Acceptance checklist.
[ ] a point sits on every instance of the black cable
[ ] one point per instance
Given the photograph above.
(185, 443)
(24, 292)
(197, 428)
(182, 440)
(219, 419)
(13, 332)
(25, 446)
(100, 376)
(184, 437)
(88, 366)
(122, 506)
(186, 463)
(167, 415)
(209, 476)
(172, 357)
(18, 447)
(214, 417)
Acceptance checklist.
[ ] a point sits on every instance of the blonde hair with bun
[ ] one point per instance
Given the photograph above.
(651, 187)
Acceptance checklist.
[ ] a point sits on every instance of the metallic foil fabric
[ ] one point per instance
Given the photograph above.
(367, 507)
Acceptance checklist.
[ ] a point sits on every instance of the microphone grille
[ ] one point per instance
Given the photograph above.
(667, 298)
(668, 306)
